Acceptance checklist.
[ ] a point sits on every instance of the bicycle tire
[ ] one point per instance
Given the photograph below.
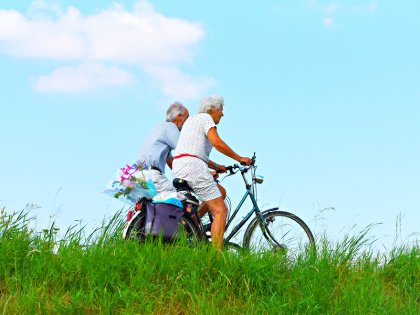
(291, 234)
(233, 248)
(192, 235)
(135, 229)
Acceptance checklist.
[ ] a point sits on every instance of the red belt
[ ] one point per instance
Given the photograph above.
(186, 154)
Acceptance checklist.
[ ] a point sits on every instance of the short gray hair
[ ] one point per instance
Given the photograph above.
(174, 110)
(208, 102)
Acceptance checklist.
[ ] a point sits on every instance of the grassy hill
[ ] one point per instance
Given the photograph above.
(101, 274)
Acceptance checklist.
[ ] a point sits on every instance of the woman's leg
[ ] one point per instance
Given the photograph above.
(203, 209)
(219, 211)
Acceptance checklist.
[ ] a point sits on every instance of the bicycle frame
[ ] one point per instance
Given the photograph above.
(255, 209)
(262, 219)
(250, 188)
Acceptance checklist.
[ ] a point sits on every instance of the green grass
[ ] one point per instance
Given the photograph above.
(101, 274)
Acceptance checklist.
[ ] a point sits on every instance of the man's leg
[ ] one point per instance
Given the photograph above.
(219, 211)
(161, 182)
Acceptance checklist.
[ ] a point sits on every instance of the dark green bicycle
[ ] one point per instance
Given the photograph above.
(269, 230)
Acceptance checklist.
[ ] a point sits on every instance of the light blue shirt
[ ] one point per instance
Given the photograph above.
(158, 145)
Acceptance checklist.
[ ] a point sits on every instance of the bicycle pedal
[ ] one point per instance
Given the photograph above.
(207, 227)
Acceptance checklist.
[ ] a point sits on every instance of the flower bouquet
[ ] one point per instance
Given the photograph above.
(131, 184)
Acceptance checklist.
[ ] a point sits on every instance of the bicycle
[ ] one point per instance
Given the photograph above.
(269, 230)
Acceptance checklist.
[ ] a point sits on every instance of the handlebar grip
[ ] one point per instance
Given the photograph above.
(230, 168)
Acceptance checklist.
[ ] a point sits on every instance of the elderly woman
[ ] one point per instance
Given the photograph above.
(191, 161)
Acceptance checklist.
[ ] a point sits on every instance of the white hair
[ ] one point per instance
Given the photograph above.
(208, 102)
(174, 110)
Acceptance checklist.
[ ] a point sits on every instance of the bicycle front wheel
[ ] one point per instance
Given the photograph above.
(282, 232)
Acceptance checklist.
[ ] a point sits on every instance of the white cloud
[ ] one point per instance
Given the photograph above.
(141, 37)
(179, 85)
(331, 8)
(328, 8)
(312, 3)
(82, 78)
(41, 38)
(328, 22)
(38, 6)
(371, 7)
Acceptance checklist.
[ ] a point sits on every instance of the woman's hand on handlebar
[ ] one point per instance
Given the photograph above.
(245, 161)
(220, 169)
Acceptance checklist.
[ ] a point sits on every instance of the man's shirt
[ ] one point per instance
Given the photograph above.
(158, 145)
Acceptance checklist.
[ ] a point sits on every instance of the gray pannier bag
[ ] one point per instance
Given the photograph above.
(162, 218)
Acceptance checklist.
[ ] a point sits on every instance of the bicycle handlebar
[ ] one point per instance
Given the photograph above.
(243, 168)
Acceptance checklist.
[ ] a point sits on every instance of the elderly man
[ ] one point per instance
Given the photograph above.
(156, 149)
(191, 161)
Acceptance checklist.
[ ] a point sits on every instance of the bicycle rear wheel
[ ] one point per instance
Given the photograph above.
(284, 232)
(135, 230)
(188, 231)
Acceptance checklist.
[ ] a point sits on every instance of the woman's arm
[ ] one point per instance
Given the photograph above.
(217, 167)
(223, 148)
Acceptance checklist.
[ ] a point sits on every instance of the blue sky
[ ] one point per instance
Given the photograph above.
(327, 94)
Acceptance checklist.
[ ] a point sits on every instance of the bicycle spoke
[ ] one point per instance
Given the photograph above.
(283, 232)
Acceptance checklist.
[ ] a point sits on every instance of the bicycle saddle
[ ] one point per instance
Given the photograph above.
(180, 184)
